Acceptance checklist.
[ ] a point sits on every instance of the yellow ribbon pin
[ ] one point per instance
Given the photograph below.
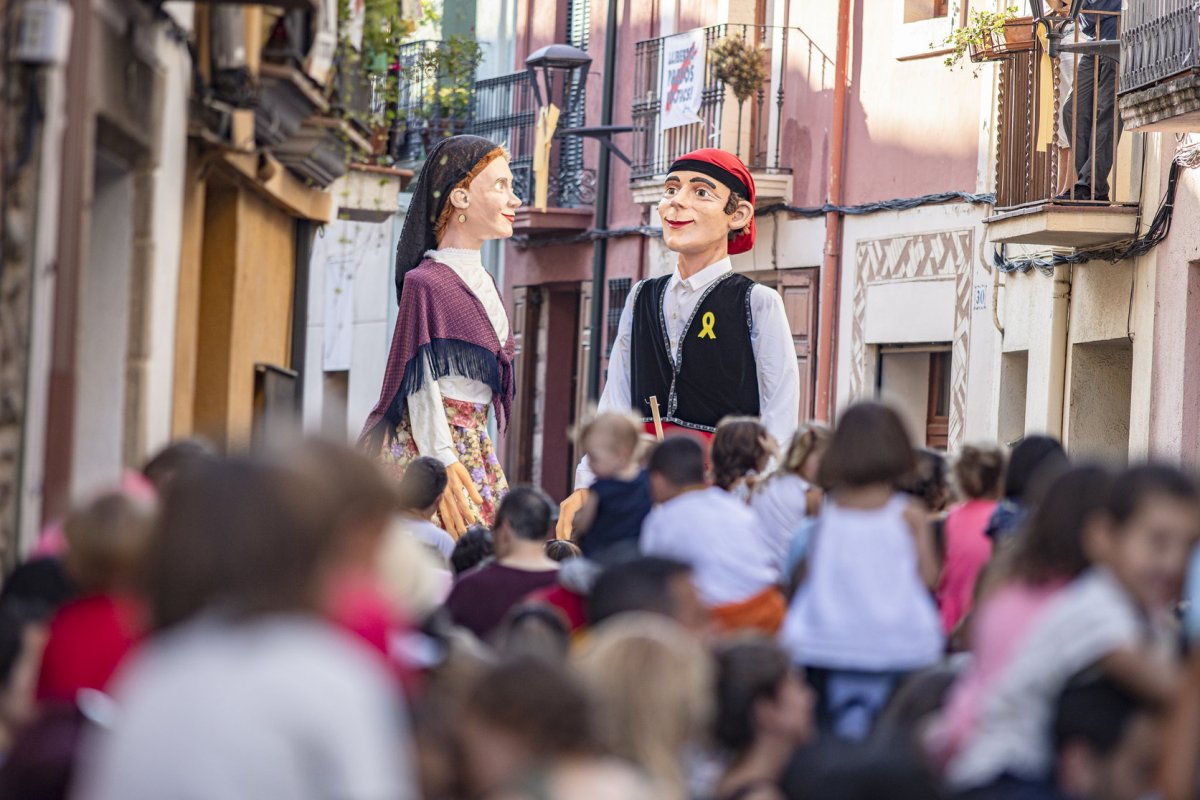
(708, 321)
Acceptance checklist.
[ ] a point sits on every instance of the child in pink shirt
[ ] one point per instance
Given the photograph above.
(978, 472)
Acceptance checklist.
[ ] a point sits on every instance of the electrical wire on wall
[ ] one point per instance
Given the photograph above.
(1160, 226)
(897, 204)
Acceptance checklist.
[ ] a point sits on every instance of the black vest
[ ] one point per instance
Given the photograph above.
(716, 374)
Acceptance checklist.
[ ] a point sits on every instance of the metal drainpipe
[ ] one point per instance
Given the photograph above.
(600, 248)
(831, 265)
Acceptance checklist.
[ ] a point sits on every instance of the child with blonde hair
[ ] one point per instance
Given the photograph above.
(610, 522)
(90, 636)
(790, 494)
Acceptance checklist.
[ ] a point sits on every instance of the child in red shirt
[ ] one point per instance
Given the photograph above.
(90, 637)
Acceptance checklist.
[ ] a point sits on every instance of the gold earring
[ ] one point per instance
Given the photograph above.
(462, 217)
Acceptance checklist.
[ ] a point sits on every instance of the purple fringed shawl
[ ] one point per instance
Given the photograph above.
(442, 326)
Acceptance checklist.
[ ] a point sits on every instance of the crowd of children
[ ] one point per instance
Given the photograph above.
(842, 616)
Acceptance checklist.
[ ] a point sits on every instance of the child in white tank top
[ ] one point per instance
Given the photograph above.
(865, 616)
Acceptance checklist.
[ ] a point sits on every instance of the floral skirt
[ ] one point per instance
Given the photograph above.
(468, 429)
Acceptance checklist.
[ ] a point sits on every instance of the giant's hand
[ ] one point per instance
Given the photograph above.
(567, 511)
(455, 508)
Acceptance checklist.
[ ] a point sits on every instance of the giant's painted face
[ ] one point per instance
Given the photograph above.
(693, 213)
(491, 204)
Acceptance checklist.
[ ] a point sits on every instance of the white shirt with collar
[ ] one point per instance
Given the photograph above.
(426, 413)
(770, 339)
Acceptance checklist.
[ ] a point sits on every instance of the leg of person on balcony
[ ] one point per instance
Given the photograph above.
(1096, 129)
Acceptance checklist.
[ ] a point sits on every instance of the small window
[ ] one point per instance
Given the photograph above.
(921, 10)
(618, 293)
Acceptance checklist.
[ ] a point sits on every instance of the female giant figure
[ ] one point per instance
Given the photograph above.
(452, 351)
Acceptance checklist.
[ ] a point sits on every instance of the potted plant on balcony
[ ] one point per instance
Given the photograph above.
(988, 36)
(449, 88)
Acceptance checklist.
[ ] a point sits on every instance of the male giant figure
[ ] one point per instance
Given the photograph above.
(706, 341)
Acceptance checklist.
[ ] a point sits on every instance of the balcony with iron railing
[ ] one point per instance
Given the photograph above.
(1065, 175)
(752, 129)
(434, 96)
(506, 111)
(1160, 65)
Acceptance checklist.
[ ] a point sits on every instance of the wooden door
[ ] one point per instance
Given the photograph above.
(937, 424)
(527, 301)
(798, 289)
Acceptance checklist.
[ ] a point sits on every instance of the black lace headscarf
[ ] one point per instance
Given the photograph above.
(446, 165)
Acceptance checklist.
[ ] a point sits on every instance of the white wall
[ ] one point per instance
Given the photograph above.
(350, 298)
(495, 28)
(103, 331)
(167, 225)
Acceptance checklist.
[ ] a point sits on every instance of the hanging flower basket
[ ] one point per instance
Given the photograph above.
(1016, 37)
(739, 65)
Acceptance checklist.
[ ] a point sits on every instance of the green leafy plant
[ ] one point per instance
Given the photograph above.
(452, 65)
(984, 29)
(739, 65)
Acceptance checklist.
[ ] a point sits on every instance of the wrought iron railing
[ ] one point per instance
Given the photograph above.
(1160, 40)
(1060, 143)
(506, 113)
(431, 102)
(751, 129)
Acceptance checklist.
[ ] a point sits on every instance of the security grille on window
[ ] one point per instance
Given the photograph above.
(618, 293)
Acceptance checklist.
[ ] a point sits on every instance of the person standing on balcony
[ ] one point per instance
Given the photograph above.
(704, 340)
(1091, 119)
(452, 351)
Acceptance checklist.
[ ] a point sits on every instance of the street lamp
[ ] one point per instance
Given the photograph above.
(558, 59)
(1054, 21)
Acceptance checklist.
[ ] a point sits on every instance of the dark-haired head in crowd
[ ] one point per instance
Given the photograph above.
(421, 490)
(741, 449)
(472, 549)
(875, 772)
(1106, 741)
(676, 465)
(179, 456)
(561, 550)
(657, 585)
(764, 712)
(534, 630)
(481, 598)
(522, 714)
(928, 482)
(1035, 462)
(31, 596)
